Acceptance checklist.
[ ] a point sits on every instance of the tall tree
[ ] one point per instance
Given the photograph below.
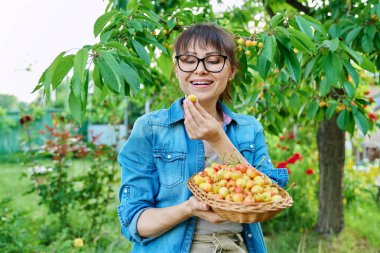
(307, 59)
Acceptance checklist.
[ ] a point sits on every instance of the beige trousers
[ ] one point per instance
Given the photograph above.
(218, 243)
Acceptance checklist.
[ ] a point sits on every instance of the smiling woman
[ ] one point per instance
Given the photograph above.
(167, 147)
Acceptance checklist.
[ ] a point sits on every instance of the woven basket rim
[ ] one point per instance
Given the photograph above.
(241, 207)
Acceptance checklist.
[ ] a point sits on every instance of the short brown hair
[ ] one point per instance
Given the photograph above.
(210, 34)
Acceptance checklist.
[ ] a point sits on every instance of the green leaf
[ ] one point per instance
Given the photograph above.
(270, 48)
(164, 63)
(342, 120)
(84, 92)
(316, 24)
(38, 86)
(352, 35)
(75, 85)
(335, 31)
(171, 23)
(277, 19)
(294, 102)
(301, 38)
(263, 66)
(367, 43)
(332, 44)
(141, 51)
(333, 68)
(283, 36)
(350, 89)
(62, 69)
(371, 31)
(96, 77)
(132, 7)
(130, 75)
(47, 76)
(136, 25)
(110, 71)
(309, 66)
(368, 65)
(362, 122)
(330, 111)
(312, 109)
(75, 107)
(352, 71)
(324, 87)
(152, 40)
(100, 93)
(80, 63)
(102, 21)
(355, 55)
(293, 65)
(117, 45)
(304, 26)
(301, 110)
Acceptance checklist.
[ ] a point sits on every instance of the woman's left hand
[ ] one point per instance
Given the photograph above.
(200, 124)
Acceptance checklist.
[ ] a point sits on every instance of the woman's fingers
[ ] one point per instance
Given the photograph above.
(198, 117)
(202, 111)
(204, 211)
(210, 216)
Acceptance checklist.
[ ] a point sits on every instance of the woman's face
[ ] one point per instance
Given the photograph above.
(207, 86)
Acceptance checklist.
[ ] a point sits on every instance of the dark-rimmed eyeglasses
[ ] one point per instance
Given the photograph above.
(212, 63)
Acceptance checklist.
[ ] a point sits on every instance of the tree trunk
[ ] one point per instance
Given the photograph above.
(331, 163)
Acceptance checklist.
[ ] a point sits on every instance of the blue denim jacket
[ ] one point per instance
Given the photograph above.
(158, 159)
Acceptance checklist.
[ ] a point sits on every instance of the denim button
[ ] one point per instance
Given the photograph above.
(169, 156)
(249, 235)
(125, 190)
(251, 146)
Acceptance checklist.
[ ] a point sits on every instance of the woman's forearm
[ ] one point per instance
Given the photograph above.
(226, 150)
(154, 222)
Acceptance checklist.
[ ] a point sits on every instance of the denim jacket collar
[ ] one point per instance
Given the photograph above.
(176, 112)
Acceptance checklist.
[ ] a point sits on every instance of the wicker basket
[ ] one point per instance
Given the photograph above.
(243, 212)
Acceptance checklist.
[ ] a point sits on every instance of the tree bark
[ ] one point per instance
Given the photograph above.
(331, 163)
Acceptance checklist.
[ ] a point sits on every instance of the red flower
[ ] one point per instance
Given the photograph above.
(294, 158)
(282, 138)
(291, 136)
(282, 165)
(372, 116)
(371, 100)
(284, 148)
(297, 156)
(291, 160)
(309, 171)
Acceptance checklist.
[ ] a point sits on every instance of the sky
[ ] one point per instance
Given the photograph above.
(34, 32)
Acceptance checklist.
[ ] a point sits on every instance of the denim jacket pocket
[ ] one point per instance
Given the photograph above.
(122, 209)
(247, 149)
(170, 166)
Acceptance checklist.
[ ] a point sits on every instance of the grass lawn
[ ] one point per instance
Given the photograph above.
(361, 233)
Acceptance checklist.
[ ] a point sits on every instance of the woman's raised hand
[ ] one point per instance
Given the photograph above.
(200, 124)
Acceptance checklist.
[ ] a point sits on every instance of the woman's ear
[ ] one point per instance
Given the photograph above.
(232, 74)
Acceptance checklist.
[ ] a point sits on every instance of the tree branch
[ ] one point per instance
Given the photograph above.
(268, 9)
(299, 6)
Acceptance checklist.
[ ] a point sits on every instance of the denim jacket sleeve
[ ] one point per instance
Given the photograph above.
(262, 161)
(139, 179)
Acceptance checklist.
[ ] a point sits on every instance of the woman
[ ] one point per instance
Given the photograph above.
(166, 147)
